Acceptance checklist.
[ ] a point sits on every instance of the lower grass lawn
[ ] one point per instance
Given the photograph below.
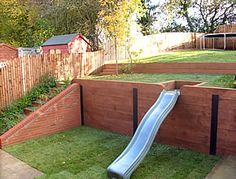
(86, 153)
(189, 56)
(211, 79)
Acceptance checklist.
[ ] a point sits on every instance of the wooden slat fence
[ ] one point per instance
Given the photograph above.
(151, 45)
(19, 75)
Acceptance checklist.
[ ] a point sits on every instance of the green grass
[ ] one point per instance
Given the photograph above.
(182, 56)
(212, 79)
(86, 153)
(190, 56)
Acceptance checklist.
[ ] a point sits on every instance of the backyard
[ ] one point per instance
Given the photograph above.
(86, 152)
(117, 89)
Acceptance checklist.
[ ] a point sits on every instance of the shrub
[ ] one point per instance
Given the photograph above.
(13, 113)
(126, 68)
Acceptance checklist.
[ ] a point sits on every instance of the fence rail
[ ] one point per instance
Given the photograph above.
(19, 75)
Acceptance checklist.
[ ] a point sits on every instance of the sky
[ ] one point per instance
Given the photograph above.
(163, 21)
(157, 1)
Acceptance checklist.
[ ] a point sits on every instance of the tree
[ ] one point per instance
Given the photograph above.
(115, 17)
(178, 9)
(174, 27)
(20, 24)
(149, 17)
(73, 17)
(214, 13)
(208, 14)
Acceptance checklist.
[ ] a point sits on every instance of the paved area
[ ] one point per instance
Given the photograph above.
(12, 168)
(224, 169)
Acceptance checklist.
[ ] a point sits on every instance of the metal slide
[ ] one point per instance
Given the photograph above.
(144, 136)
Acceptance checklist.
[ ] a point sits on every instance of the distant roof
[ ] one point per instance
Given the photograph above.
(221, 35)
(60, 39)
(3, 44)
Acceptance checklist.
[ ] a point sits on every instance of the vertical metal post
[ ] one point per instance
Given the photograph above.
(213, 43)
(214, 124)
(204, 42)
(81, 105)
(135, 109)
(200, 42)
(23, 73)
(224, 41)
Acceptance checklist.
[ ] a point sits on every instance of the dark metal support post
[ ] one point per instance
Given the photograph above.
(81, 105)
(214, 124)
(135, 109)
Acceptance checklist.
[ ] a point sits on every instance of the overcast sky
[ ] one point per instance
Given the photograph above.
(157, 1)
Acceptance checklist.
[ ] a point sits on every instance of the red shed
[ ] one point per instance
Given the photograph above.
(64, 44)
(7, 52)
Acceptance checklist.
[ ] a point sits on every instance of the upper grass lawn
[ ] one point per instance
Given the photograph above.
(189, 56)
(215, 80)
(86, 153)
(225, 81)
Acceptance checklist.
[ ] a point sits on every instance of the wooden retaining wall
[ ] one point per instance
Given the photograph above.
(59, 114)
(108, 106)
(206, 68)
(196, 107)
(202, 68)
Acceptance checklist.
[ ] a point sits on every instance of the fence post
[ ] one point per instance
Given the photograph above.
(135, 109)
(23, 73)
(1, 86)
(214, 124)
(81, 105)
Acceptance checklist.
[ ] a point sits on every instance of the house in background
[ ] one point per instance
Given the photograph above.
(65, 44)
(7, 52)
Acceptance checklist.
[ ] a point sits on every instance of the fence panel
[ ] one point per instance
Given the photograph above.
(18, 76)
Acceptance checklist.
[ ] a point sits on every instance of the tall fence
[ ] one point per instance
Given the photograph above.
(19, 75)
(218, 43)
(226, 28)
(150, 45)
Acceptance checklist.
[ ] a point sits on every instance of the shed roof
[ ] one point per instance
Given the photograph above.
(221, 35)
(60, 39)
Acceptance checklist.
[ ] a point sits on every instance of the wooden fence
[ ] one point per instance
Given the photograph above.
(226, 28)
(151, 45)
(19, 75)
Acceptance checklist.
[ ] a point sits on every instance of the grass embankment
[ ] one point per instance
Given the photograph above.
(225, 81)
(86, 153)
(182, 56)
(13, 113)
(189, 56)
